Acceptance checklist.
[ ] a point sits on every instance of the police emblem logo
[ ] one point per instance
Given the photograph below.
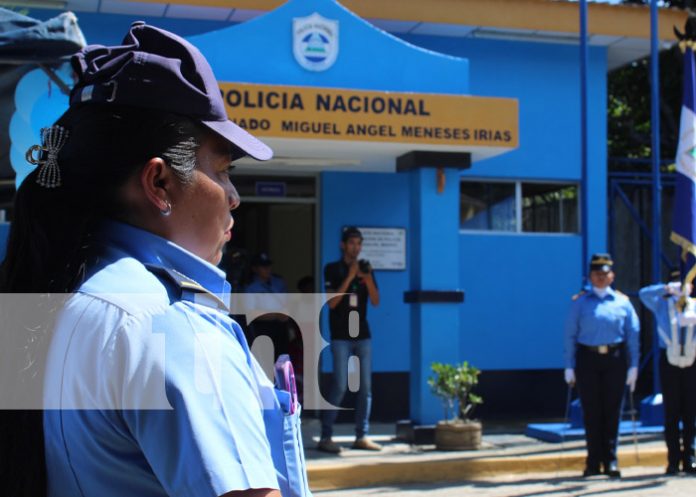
(315, 42)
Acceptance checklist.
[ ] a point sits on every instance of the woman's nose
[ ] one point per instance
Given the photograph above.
(233, 197)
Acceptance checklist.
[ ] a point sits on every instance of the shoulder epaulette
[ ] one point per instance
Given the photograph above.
(579, 294)
(620, 293)
(186, 285)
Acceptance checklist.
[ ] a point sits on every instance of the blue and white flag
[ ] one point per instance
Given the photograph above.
(684, 223)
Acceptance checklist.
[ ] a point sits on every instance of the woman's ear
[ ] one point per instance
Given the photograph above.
(157, 181)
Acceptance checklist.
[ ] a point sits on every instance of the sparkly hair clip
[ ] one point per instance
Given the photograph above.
(52, 140)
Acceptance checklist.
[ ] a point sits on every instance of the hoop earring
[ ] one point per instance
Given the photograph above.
(167, 209)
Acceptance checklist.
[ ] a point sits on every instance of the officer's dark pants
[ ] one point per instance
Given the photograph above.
(679, 400)
(601, 379)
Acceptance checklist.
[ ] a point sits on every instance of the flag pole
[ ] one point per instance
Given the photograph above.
(584, 199)
(656, 180)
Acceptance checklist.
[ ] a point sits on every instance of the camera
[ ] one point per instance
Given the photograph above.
(364, 266)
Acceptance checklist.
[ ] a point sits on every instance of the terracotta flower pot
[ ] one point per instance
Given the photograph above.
(458, 435)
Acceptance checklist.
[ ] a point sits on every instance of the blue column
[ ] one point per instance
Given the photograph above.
(651, 408)
(656, 183)
(434, 262)
(584, 190)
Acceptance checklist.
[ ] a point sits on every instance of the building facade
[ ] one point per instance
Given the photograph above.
(450, 132)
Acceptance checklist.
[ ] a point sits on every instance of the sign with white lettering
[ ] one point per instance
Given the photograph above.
(385, 248)
(372, 116)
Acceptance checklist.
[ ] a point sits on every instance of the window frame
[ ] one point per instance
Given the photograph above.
(518, 206)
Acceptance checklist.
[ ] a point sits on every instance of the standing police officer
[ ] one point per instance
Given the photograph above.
(677, 373)
(267, 291)
(601, 352)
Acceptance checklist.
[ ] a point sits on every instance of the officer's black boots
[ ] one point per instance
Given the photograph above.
(612, 470)
(690, 465)
(591, 471)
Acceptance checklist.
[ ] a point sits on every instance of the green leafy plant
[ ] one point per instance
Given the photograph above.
(454, 385)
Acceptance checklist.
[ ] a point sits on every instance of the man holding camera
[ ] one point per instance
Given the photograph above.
(350, 336)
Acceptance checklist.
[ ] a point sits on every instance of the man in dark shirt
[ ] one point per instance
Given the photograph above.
(350, 336)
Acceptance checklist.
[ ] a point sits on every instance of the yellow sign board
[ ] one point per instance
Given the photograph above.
(300, 112)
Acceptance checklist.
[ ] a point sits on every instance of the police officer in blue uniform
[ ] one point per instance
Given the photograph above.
(601, 356)
(677, 372)
(150, 389)
(268, 291)
(263, 280)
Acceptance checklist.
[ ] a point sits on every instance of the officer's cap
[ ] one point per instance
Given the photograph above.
(601, 262)
(156, 69)
(261, 259)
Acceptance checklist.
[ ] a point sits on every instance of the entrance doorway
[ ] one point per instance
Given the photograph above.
(277, 216)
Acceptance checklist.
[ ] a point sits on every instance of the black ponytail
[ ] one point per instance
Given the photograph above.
(50, 248)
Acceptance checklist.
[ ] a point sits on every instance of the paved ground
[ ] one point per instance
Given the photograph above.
(508, 464)
(637, 482)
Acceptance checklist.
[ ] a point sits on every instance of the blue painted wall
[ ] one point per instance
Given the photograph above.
(371, 199)
(518, 286)
(518, 290)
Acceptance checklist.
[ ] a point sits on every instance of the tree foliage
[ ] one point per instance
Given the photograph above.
(628, 109)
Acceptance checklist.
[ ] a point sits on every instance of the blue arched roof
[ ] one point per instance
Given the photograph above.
(260, 51)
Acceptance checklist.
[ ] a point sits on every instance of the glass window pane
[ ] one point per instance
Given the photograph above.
(487, 206)
(549, 208)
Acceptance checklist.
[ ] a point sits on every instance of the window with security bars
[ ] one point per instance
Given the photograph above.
(519, 207)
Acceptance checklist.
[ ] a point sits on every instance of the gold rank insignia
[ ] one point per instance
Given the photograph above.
(578, 295)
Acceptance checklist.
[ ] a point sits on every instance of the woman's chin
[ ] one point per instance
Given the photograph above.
(216, 258)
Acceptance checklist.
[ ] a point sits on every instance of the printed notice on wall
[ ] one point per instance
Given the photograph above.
(385, 248)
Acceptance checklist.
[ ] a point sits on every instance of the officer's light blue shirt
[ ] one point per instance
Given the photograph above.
(595, 320)
(274, 285)
(653, 297)
(269, 296)
(127, 339)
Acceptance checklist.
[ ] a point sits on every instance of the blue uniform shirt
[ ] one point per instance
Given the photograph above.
(275, 285)
(594, 320)
(153, 393)
(653, 297)
(267, 296)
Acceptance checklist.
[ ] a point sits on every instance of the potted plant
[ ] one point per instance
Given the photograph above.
(454, 385)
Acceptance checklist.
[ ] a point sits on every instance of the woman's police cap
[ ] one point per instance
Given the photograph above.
(601, 262)
(261, 259)
(156, 69)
